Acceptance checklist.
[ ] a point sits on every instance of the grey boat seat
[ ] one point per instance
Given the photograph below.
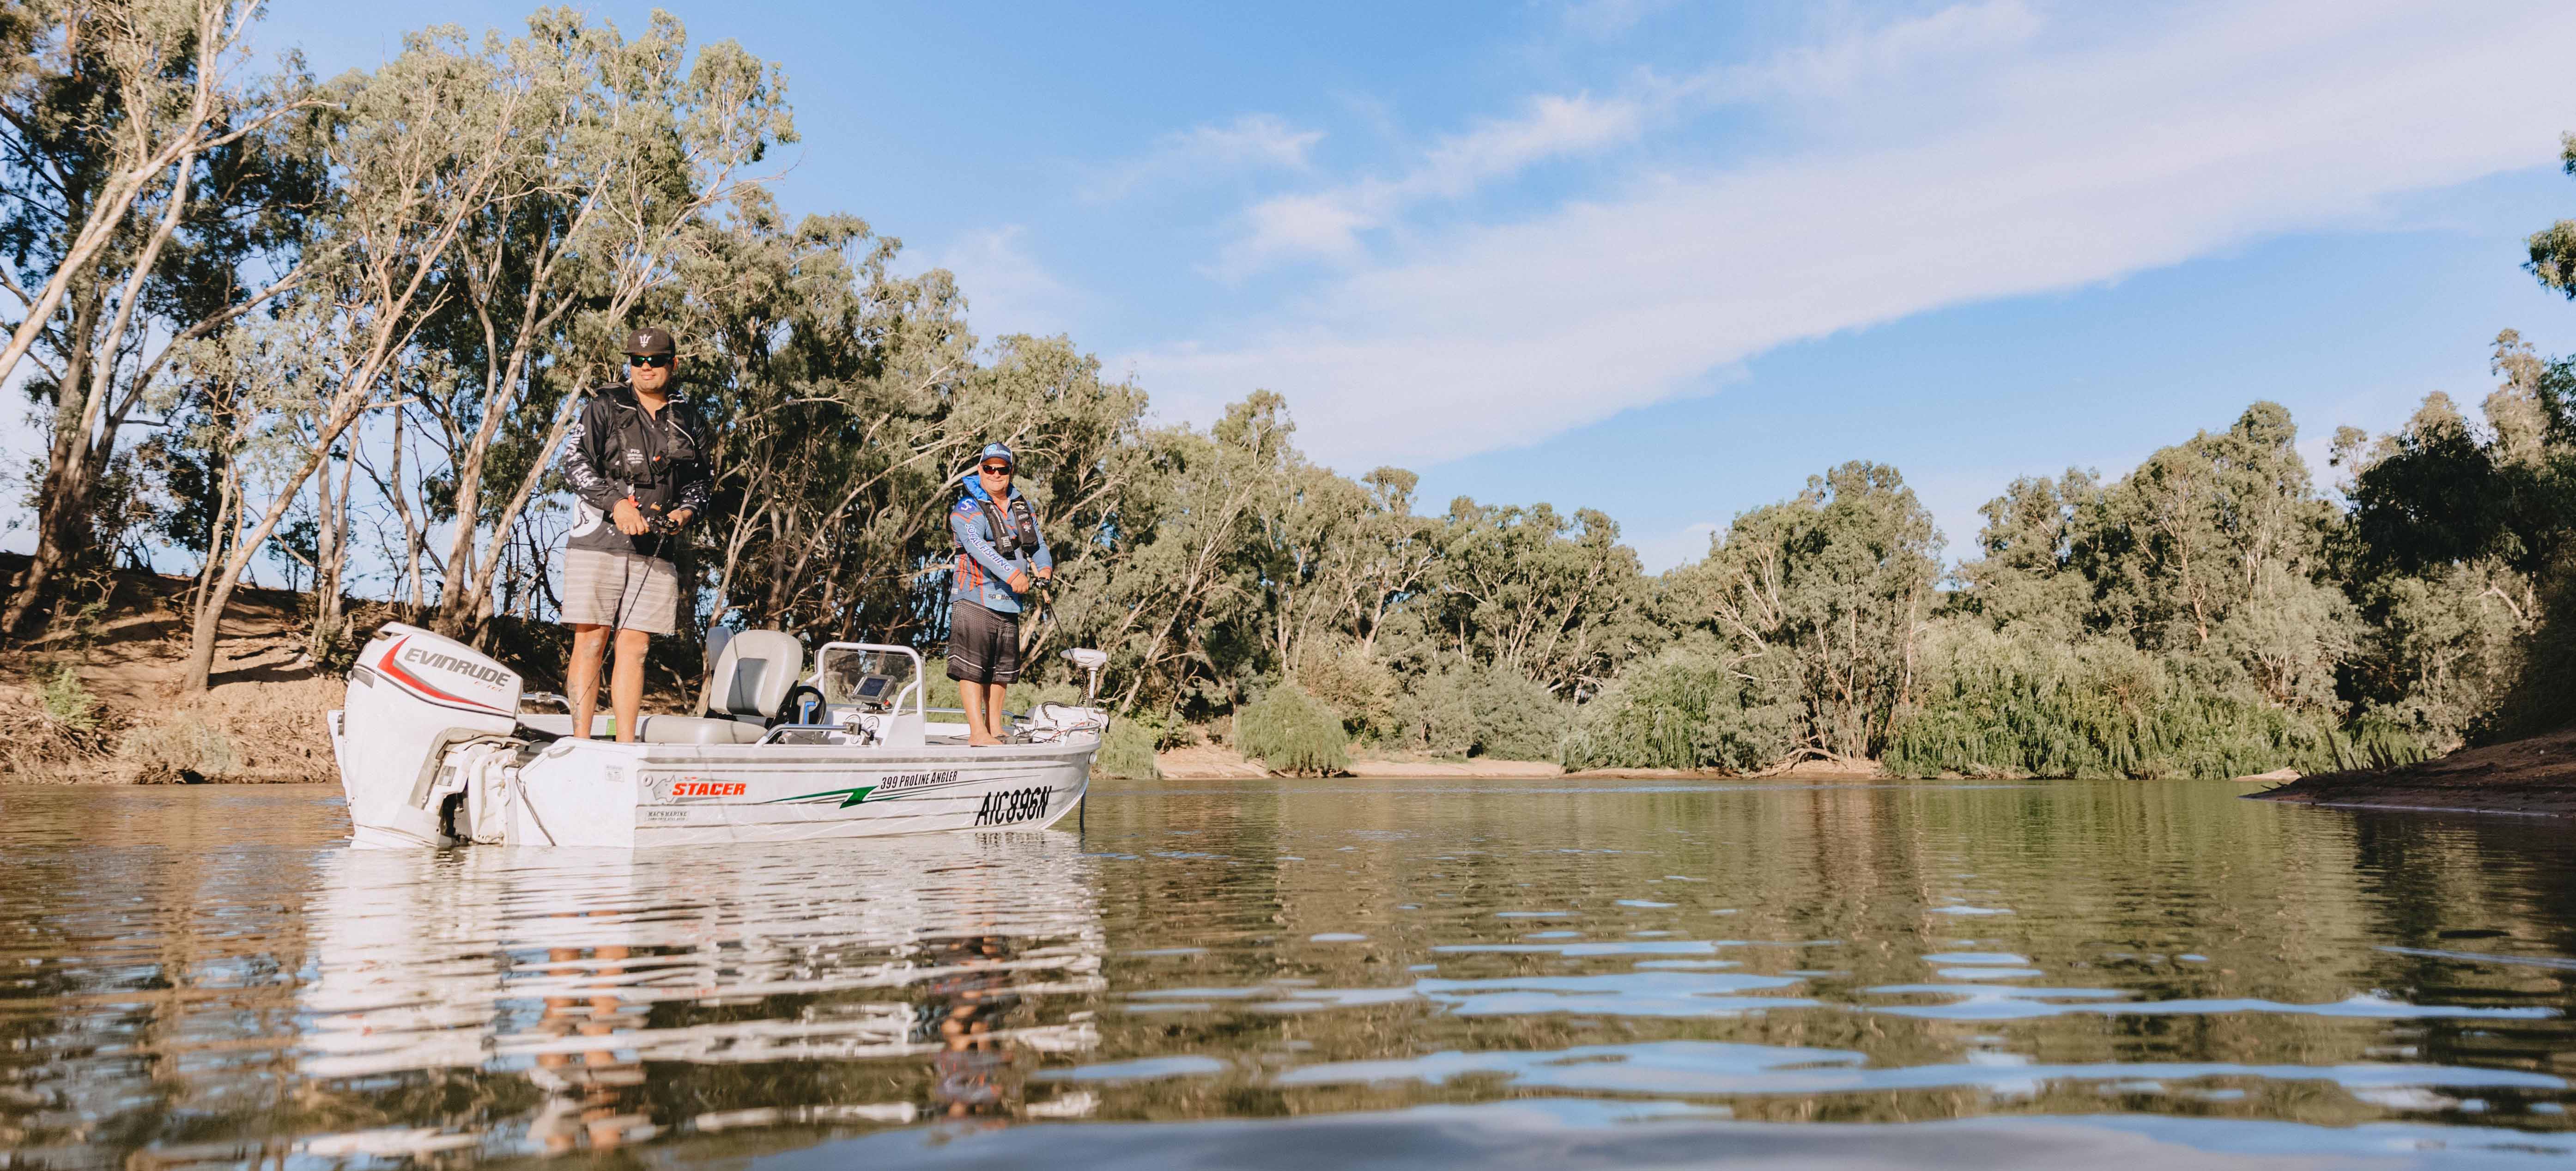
(752, 676)
(654, 729)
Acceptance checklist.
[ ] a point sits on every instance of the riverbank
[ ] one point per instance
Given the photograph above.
(2535, 776)
(100, 700)
(1216, 762)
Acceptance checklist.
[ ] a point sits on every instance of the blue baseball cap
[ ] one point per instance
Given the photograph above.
(996, 451)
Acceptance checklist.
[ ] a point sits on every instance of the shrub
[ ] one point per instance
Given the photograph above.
(68, 702)
(1126, 753)
(1293, 732)
(937, 689)
(1350, 681)
(1681, 709)
(2001, 705)
(183, 749)
(1465, 710)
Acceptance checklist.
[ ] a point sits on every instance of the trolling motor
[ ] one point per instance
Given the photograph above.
(1092, 661)
(1050, 721)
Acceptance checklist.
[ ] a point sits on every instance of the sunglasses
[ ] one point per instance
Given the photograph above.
(997, 469)
(656, 361)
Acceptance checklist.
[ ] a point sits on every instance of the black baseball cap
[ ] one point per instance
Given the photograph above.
(646, 343)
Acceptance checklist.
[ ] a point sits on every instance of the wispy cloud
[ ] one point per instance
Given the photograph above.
(1250, 143)
(2057, 157)
(1327, 224)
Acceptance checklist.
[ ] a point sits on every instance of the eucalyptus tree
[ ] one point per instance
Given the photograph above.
(1551, 596)
(1821, 602)
(2216, 546)
(618, 152)
(413, 153)
(150, 200)
(1180, 612)
(143, 87)
(2454, 551)
(833, 383)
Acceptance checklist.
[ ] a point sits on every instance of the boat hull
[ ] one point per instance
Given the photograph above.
(596, 793)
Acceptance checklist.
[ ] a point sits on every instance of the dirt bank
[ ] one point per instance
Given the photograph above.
(2534, 776)
(98, 698)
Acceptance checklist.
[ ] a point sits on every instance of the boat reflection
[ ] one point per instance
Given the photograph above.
(586, 1001)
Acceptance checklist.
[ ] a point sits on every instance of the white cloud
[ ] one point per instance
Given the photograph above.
(1250, 143)
(2049, 166)
(1327, 224)
(1007, 290)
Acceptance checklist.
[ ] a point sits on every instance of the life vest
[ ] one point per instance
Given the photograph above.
(1015, 531)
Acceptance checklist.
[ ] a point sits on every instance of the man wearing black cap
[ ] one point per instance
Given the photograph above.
(636, 457)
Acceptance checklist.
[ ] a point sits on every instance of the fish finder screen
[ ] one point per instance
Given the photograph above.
(874, 686)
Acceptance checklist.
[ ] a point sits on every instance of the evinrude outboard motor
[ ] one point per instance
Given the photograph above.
(412, 697)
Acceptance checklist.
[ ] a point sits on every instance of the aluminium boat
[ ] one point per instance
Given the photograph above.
(435, 750)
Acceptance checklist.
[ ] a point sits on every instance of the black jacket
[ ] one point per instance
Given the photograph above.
(616, 450)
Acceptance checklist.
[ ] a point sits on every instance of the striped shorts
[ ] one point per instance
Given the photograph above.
(983, 645)
(620, 590)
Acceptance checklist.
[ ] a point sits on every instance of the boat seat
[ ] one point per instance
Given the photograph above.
(560, 723)
(655, 729)
(753, 674)
(699, 730)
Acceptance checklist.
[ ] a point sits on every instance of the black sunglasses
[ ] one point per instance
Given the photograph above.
(997, 469)
(656, 361)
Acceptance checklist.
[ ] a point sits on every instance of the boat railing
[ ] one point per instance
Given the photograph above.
(911, 690)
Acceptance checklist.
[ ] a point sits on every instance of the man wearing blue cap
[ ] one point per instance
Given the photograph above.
(998, 549)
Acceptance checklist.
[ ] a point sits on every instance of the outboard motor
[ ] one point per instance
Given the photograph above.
(412, 697)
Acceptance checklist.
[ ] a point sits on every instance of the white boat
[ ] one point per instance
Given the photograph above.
(434, 750)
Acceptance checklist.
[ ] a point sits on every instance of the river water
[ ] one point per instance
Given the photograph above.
(1295, 973)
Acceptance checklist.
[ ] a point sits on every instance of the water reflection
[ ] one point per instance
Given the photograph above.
(206, 977)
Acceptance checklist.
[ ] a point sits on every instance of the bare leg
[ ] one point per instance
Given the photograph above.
(970, 696)
(626, 685)
(581, 675)
(996, 716)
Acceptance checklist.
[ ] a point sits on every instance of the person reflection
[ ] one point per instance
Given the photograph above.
(973, 1071)
(592, 1094)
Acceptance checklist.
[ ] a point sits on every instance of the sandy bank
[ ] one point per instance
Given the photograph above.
(2533, 776)
(1213, 762)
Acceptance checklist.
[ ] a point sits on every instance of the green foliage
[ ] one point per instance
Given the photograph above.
(2207, 612)
(1352, 681)
(1127, 753)
(1818, 599)
(937, 689)
(1463, 709)
(2541, 696)
(1685, 708)
(1291, 731)
(2009, 704)
(68, 701)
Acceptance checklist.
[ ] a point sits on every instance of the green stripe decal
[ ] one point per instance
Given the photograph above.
(855, 796)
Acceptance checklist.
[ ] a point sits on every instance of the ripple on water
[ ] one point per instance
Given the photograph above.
(189, 973)
(2000, 1002)
(1709, 1068)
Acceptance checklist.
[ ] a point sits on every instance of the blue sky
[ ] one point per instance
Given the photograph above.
(1669, 259)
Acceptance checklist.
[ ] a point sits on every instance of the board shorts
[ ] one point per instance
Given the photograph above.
(621, 590)
(983, 645)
